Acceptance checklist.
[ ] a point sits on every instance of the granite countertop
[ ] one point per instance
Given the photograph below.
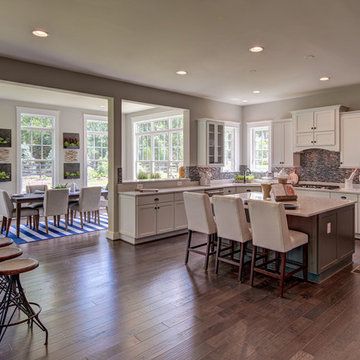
(306, 205)
(355, 191)
(189, 188)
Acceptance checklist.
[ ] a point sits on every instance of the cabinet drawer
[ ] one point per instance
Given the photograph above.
(229, 190)
(344, 196)
(151, 199)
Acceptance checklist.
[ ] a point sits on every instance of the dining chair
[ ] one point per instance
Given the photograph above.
(56, 204)
(270, 231)
(230, 218)
(89, 201)
(200, 219)
(8, 212)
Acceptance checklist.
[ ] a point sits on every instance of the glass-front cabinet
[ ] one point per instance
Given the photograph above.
(210, 142)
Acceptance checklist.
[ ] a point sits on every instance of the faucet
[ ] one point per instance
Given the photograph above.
(247, 172)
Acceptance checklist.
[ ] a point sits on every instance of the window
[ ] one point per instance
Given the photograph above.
(96, 128)
(159, 147)
(37, 147)
(259, 147)
(231, 148)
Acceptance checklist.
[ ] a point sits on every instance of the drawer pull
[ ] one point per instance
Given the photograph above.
(248, 190)
(156, 199)
(344, 197)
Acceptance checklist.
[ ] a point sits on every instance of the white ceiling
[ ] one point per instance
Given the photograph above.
(146, 41)
(11, 91)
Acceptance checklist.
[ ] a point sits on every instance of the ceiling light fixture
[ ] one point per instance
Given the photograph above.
(325, 78)
(256, 49)
(40, 33)
(244, 101)
(256, 91)
(181, 72)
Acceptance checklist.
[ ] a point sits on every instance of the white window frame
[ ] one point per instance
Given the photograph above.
(250, 149)
(36, 111)
(86, 117)
(236, 145)
(130, 141)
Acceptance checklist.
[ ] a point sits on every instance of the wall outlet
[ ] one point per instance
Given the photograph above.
(139, 186)
(179, 183)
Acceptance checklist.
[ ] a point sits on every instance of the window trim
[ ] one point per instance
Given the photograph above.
(37, 111)
(250, 126)
(237, 126)
(86, 117)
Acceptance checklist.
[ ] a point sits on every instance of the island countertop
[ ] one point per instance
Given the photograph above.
(306, 206)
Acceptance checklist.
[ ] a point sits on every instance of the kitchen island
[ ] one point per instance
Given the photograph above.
(330, 225)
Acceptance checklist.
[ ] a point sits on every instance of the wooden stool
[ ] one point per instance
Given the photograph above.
(5, 242)
(7, 253)
(14, 297)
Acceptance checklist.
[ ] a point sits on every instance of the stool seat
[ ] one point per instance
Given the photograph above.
(17, 266)
(9, 252)
(5, 242)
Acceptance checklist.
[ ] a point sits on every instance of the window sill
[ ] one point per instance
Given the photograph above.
(147, 181)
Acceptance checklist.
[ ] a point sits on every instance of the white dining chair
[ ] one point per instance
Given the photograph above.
(270, 231)
(56, 204)
(8, 212)
(89, 201)
(200, 219)
(230, 218)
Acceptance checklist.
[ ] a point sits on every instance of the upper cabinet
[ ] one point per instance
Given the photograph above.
(350, 144)
(282, 143)
(317, 128)
(210, 142)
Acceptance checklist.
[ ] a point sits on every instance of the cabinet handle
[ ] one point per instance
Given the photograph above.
(314, 142)
(314, 127)
(156, 199)
(344, 197)
(248, 190)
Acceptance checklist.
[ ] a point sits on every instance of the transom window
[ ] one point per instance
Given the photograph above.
(96, 150)
(159, 147)
(37, 147)
(259, 148)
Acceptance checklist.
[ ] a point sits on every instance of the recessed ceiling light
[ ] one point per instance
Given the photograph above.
(181, 72)
(324, 78)
(40, 33)
(256, 49)
(309, 57)
(256, 91)
(244, 101)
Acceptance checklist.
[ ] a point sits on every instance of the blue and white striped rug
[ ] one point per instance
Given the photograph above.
(28, 235)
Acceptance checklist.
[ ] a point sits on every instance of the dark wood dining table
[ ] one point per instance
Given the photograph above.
(31, 198)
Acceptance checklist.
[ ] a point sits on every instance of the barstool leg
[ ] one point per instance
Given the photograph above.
(188, 246)
(282, 273)
(305, 262)
(253, 260)
(207, 255)
(218, 249)
(242, 256)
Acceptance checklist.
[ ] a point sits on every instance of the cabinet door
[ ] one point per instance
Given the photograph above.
(353, 197)
(350, 144)
(180, 216)
(345, 238)
(304, 121)
(146, 220)
(278, 146)
(219, 152)
(324, 138)
(324, 120)
(305, 139)
(327, 241)
(165, 218)
(211, 139)
(288, 144)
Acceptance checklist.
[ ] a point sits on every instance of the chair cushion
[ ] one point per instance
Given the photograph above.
(297, 239)
(26, 211)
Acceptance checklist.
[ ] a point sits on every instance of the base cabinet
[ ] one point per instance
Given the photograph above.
(180, 216)
(146, 220)
(165, 221)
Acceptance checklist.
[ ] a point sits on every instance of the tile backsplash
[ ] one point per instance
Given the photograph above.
(317, 165)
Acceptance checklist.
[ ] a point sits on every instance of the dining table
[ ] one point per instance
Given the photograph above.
(31, 198)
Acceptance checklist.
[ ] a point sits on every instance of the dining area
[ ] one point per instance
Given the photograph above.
(51, 212)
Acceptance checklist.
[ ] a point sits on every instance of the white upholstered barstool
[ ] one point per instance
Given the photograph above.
(270, 231)
(230, 218)
(200, 219)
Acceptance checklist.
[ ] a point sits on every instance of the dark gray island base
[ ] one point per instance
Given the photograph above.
(330, 225)
(331, 241)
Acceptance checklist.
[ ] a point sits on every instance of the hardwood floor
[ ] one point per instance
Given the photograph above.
(110, 300)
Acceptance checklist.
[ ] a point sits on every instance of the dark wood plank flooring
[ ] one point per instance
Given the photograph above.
(110, 300)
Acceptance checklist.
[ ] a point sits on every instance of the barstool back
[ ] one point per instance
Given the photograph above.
(230, 218)
(199, 213)
(269, 225)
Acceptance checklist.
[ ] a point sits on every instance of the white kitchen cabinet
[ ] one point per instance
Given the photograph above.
(243, 189)
(353, 197)
(165, 221)
(317, 128)
(282, 144)
(350, 142)
(146, 220)
(210, 142)
(180, 216)
(229, 190)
